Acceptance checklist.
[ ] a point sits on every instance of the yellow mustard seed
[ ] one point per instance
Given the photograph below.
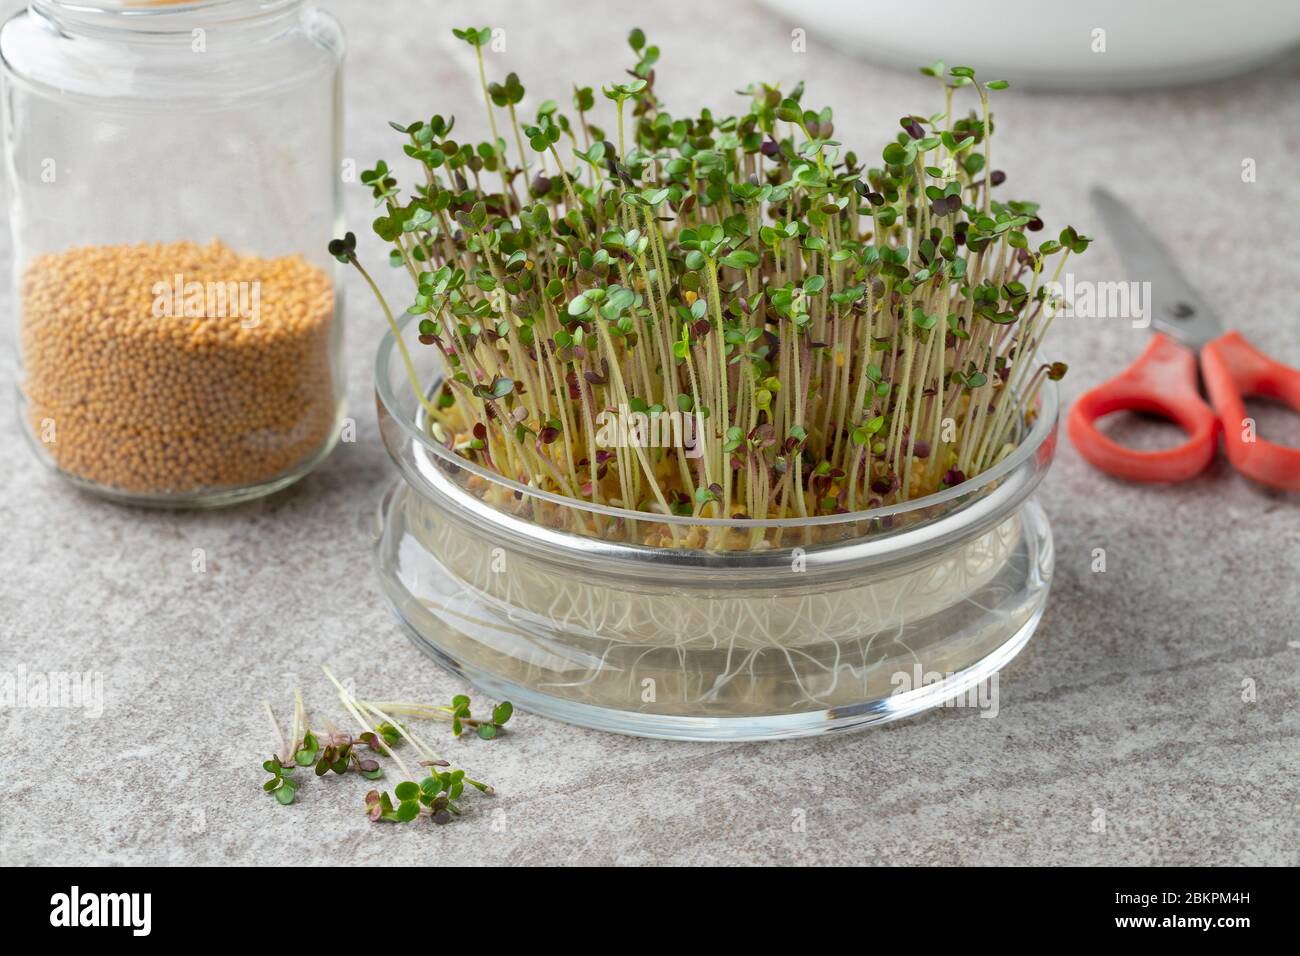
(135, 387)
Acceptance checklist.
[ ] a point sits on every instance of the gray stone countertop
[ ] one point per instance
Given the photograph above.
(1131, 704)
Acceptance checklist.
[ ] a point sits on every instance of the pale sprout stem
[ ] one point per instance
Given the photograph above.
(421, 747)
(283, 752)
(349, 702)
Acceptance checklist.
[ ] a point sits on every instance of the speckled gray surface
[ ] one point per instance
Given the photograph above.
(1130, 705)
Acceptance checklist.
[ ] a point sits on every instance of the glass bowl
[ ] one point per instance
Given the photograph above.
(766, 629)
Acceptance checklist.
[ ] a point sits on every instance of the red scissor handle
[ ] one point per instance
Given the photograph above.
(1162, 381)
(1233, 368)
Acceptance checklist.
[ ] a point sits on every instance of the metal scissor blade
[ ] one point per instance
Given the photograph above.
(1176, 308)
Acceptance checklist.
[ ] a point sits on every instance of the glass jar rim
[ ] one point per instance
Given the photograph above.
(1042, 428)
(153, 13)
(145, 8)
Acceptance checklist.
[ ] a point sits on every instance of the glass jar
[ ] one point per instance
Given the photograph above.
(174, 181)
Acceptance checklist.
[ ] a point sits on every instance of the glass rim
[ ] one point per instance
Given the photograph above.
(140, 12)
(1043, 426)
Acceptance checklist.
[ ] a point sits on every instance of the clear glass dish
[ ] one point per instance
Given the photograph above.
(830, 623)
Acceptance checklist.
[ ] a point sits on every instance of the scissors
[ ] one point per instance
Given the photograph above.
(1163, 380)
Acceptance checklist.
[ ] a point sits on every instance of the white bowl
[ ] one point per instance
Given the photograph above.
(1055, 45)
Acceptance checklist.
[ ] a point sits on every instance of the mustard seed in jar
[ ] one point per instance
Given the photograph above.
(154, 367)
(175, 369)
